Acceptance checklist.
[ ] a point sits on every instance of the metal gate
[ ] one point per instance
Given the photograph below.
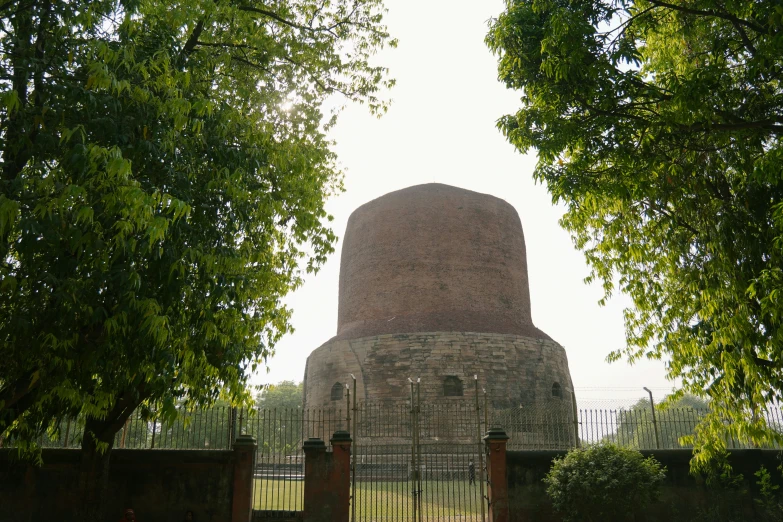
(278, 477)
(419, 462)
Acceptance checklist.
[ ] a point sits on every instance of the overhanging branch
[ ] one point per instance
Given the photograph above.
(711, 12)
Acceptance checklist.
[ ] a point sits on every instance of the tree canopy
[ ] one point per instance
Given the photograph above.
(282, 422)
(657, 124)
(283, 395)
(163, 173)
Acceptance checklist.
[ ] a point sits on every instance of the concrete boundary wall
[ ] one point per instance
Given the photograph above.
(683, 496)
(160, 485)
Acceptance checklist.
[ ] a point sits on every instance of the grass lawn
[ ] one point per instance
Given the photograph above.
(278, 495)
(443, 500)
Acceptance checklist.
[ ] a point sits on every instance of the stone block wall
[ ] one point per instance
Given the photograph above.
(516, 371)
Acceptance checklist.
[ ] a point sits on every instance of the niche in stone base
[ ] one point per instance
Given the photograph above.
(337, 392)
(452, 386)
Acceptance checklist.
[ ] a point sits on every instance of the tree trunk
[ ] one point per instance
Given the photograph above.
(94, 473)
(94, 464)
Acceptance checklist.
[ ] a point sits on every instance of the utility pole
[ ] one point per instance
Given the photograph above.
(655, 423)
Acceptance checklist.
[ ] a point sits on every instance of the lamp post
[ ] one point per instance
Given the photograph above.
(655, 423)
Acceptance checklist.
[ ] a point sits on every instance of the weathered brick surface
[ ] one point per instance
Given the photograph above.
(434, 258)
(515, 370)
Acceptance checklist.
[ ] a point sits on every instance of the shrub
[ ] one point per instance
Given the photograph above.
(769, 502)
(604, 482)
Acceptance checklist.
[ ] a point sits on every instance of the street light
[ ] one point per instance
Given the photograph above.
(655, 423)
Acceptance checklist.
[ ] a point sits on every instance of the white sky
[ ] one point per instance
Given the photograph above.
(441, 128)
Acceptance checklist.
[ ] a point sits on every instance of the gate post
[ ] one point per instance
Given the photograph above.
(244, 459)
(327, 487)
(340, 475)
(315, 477)
(497, 488)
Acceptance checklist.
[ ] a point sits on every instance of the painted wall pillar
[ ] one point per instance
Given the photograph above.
(340, 475)
(244, 462)
(327, 486)
(497, 487)
(315, 479)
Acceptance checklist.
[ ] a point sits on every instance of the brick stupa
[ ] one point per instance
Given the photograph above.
(434, 285)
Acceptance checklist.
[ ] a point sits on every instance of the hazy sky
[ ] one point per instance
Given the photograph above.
(441, 128)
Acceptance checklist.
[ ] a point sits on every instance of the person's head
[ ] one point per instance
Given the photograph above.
(129, 514)
(189, 515)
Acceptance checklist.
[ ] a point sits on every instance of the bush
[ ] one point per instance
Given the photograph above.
(770, 506)
(603, 483)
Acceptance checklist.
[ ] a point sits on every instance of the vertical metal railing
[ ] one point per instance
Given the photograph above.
(354, 451)
(279, 471)
(415, 464)
(529, 428)
(412, 462)
(479, 440)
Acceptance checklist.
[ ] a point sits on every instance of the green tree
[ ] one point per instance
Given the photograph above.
(162, 183)
(283, 395)
(278, 422)
(657, 124)
(676, 419)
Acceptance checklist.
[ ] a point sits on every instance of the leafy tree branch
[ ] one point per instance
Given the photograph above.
(661, 136)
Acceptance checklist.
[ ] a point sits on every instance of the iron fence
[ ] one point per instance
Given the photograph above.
(407, 457)
(281, 431)
(418, 462)
(641, 429)
(279, 469)
(212, 428)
